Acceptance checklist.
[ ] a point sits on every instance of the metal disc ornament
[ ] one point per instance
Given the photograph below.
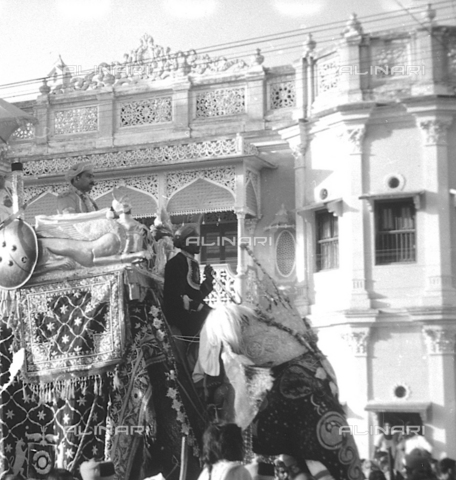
(18, 253)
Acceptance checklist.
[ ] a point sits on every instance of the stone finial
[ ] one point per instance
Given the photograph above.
(45, 88)
(309, 46)
(353, 27)
(257, 58)
(429, 15)
(283, 219)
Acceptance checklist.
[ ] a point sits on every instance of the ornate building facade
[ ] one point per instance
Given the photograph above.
(338, 170)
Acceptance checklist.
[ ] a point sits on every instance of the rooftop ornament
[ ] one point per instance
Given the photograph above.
(309, 46)
(353, 27)
(429, 15)
(148, 62)
(283, 219)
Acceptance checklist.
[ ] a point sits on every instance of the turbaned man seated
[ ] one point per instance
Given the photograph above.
(77, 199)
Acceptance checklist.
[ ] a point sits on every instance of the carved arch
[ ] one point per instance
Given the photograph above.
(199, 196)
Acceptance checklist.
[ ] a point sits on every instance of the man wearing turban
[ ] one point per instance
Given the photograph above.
(77, 199)
(184, 292)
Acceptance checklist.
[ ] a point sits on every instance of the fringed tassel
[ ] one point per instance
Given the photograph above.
(116, 381)
(49, 392)
(9, 308)
(97, 385)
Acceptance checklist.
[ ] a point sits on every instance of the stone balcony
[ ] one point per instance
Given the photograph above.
(378, 67)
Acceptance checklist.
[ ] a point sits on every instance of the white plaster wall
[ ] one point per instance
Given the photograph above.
(324, 166)
(398, 356)
(393, 148)
(329, 291)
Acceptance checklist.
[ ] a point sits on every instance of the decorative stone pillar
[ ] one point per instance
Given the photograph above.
(297, 137)
(41, 112)
(182, 105)
(434, 229)
(241, 260)
(429, 55)
(302, 268)
(305, 80)
(352, 234)
(255, 95)
(440, 342)
(350, 62)
(357, 338)
(106, 108)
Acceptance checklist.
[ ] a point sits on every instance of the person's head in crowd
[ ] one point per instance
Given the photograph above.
(280, 470)
(382, 460)
(447, 469)
(59, 474)
(222, 442)
(81, 176)
(293, 468)
(231, 443)
(418, 466)
(376, 475)
(369, 466)
(261, 470)
(93, 470)
(187, 238)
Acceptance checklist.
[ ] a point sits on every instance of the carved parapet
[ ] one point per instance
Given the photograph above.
(148, 62)
(357, 340)
(440, 340)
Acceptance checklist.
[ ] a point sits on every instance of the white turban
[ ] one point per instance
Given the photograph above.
(77, 169)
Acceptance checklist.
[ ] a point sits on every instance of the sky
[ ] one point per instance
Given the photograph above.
(88, 32)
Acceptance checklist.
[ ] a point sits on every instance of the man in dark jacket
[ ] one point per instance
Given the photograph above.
(184, 292)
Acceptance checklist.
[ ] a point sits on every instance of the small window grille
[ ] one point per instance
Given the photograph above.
(395, 239)
(285, 253)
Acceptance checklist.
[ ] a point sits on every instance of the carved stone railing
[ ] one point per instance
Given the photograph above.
(161, 155)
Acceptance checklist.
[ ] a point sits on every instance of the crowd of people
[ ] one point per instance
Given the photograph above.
(406, 455)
